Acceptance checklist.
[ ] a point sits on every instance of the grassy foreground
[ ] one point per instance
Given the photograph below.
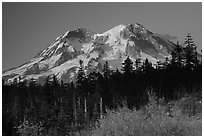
(178, 118)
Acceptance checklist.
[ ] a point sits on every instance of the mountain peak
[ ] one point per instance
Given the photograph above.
(115, 29)
(62, 57)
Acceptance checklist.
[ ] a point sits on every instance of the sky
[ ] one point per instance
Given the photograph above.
(28, 28)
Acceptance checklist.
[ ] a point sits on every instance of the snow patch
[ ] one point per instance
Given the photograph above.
(116, 30)
(117, 51)
(65, 34)
(131, 43)
(71, 75)
(59, 46)
(145, 56)
(51, 53)
(50, 62)
(22, 69)
(59, 70)
(87, 47)
(54, 44)
(94, 55)
(114, 34)
(58, 38)
(70, 49)
(160, 46)
(95, 64)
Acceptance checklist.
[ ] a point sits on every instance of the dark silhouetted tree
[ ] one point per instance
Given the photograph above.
(138, 64)
(177, 56)
(127, 66)
(190, 52)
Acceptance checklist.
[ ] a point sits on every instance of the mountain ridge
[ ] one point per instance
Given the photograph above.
(62, 56)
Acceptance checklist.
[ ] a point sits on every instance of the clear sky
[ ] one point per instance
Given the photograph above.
(28, 28)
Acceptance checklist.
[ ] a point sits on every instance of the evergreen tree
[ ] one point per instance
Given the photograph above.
(190, 52)
(105, 88)
(81, 77)
(32, 84)
(127, 66)
(177, 56)
(106, 70)
(138, 64)
(22, 98)
(115, 89)
(166, 63)
(47, 83)
(73, 102)
(147, 66)
(82, 89)
(159, 65)
(148, 73)
(55, 88)
(33, 94)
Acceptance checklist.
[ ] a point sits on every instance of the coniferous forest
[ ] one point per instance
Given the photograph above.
(57, 108)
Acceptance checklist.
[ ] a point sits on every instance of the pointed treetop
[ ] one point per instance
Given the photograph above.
(177, 43)
(189, 42)
(106, 70)
(80, 62)
(127, 65)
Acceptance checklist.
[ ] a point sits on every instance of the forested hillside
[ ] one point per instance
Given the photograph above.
(58, 108)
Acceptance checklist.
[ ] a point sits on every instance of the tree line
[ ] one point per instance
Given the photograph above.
(64, 108)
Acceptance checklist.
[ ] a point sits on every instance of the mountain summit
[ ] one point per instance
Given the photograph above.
(61, 57)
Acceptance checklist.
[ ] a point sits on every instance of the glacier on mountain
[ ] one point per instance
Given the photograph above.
(61, 58)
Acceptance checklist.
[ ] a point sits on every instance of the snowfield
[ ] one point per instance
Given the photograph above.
(113, 46)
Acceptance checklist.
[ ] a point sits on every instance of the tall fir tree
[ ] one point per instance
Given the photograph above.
(55, 87)
(177, 56)
(165, 64)
(127, 66)
(147, 66)
(81, 77)
(106, 84)
(138, 64)
(106, 70)
(190, 52)
(82, 88)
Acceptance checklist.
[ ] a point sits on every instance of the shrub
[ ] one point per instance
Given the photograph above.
(189, 106)
(29, 129)
(153, 120)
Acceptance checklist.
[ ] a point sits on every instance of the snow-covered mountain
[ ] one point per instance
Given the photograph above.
(62, 56)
